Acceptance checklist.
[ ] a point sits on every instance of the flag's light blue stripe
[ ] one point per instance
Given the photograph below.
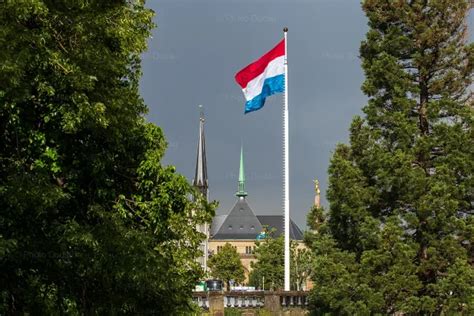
(270, 86)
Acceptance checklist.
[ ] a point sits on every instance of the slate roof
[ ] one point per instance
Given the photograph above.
(200, 178)
(217, 222)
(242, 223)
(277, 222)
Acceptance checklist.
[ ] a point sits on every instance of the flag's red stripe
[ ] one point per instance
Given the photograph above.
(256, 68)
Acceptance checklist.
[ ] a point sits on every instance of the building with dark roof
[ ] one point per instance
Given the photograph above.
(242, 223)
(241, 227)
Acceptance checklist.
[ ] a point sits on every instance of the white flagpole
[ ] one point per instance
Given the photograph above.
(286, 171)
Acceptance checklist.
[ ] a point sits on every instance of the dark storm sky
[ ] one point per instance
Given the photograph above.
(197, 48)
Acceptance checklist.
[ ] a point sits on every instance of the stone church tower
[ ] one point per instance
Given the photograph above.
(201, 183)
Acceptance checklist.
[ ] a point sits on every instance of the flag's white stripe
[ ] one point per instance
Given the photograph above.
(274, 68)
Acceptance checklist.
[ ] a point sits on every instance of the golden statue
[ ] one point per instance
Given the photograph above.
(316, 186)
(317, 197)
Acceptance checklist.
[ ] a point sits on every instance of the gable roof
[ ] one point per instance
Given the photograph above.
(278, 222)
(216, 224)
(241, 223)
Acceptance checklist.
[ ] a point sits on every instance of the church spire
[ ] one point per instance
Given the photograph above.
(200, 177)
(241, 193)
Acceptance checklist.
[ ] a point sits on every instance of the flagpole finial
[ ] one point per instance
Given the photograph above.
(201, 112)
(285, 29)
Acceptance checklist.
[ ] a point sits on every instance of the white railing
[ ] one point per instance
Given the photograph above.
(254, 299)
(201, 299)
(244, 299)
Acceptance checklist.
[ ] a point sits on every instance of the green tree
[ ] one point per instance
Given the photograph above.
(399, 232)
(90, 221)
(225, 265)
(315, 219)
(301, 267)
(269, 267)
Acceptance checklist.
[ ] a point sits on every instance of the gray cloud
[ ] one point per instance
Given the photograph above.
(195, 51)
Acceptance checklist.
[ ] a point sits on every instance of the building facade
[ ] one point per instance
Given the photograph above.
(241, 227)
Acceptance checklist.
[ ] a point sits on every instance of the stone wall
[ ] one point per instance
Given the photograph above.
(258, 303)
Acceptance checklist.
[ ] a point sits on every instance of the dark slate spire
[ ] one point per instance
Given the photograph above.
(200, 177)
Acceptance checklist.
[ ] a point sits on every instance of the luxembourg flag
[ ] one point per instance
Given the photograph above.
(263, 78)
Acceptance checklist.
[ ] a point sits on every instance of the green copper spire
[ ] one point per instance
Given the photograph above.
(241, 192)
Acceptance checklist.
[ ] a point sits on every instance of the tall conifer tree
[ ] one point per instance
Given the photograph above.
(400, 231)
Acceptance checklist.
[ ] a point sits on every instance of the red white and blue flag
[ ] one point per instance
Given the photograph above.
(263, 78)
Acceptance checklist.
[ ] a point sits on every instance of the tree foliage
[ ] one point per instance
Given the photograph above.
(225, 265)
(268, 270)
(399, 236)
(90, 221)
(301, 267)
